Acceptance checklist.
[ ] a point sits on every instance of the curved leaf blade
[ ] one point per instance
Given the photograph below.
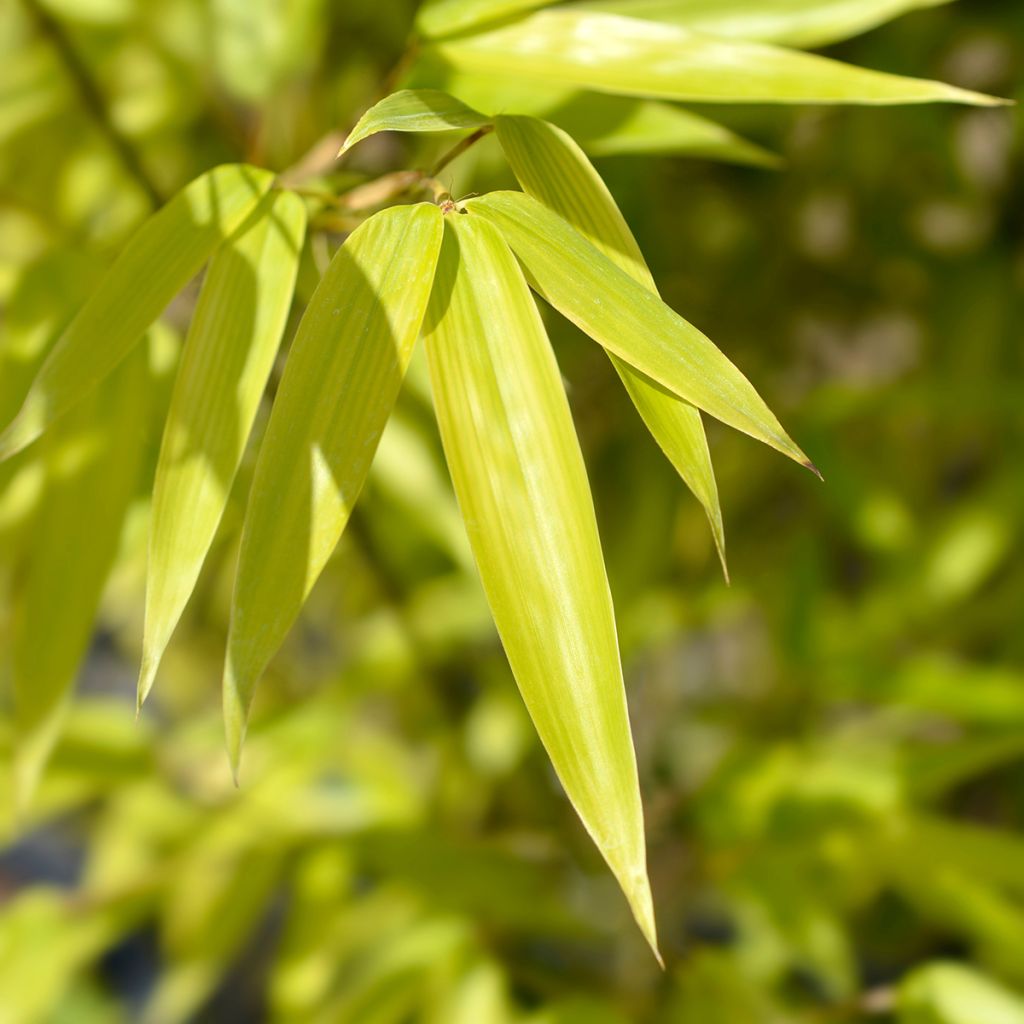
(609, 53)
(227, 357)
(523, 492)
(158, 261)
(627, 319)
(414, 110)
(805, 24)
(340, 383)
(554, 170)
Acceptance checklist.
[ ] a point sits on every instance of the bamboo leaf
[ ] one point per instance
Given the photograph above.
(446, 17)
(415, 110)
(92, 463)
(627, 319)
(805, 24)
(610, 53)
(553, 169)
(340, 383)
(524, 496)
(228, 354)
(160, 258)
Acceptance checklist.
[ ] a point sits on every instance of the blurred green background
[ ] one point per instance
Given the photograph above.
(831, 749)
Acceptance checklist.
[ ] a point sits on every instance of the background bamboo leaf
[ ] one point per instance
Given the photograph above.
(340, 382)
(553, 169)
(628, 319)
(415, 110)
(805, 24)
(161, 257)
(614, 54)
(954, 993)
(524, 496)
(92, 464)
(228, 354)
(445, 17)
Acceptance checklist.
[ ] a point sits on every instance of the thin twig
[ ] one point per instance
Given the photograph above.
(92, 98)
(457, 151)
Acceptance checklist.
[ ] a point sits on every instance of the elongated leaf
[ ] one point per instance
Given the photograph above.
(628, 319)
(92, 465)
(415, 110)
(553, 169)
(445, 17)
(228, 354)
(156, 263)
(340, 383)
(522, 488)
(802, 23)
(641, 58)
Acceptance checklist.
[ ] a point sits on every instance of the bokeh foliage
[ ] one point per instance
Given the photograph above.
(830, 750)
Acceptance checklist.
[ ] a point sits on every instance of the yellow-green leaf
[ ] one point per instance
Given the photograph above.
(553, 169)
(628, 319)
(446, 17)
(228, 354)
(415, 110)
(610, 53)
(92, 466)
(802, 23)
(524, 496)
(340, 383)
(160, 258)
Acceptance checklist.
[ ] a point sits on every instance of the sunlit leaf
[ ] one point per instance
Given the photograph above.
(446, 17)
(642, 58)
(92, 465)
(800, 23)
(340, 382)
(163, 255)
(524, 496)
(415, 110)
(228, 354)
(628, 319)
(553, 169)
(954, 993)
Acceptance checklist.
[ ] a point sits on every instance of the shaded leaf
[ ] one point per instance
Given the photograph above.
(228, 355)
(92, 464)
(802, 23)
(553, 169)
(415, 110)
(340, 383)
(628, 319)
(446, 17)
(642, 58)
(524, 496)
(160, 258)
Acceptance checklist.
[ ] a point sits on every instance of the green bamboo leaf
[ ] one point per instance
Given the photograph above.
(160, 258)
(524, 496)
(553, 169)
(609, 53)
(954, 993)
(438, 18)
(339, 386)
(92, 464)
(628, 319)
(228, 355)
(805, 24)
(415, 110)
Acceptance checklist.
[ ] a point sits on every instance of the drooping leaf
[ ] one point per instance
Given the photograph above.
(628, 319)
(92, 466)
(805, 24)
(553, 169)
(160, 258)
(340, 382)
(524, 496)
(610, 53)
(415, 110)
(445, 17)
(228, 354)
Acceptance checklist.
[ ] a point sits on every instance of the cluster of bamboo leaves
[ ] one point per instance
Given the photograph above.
(464, 276)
